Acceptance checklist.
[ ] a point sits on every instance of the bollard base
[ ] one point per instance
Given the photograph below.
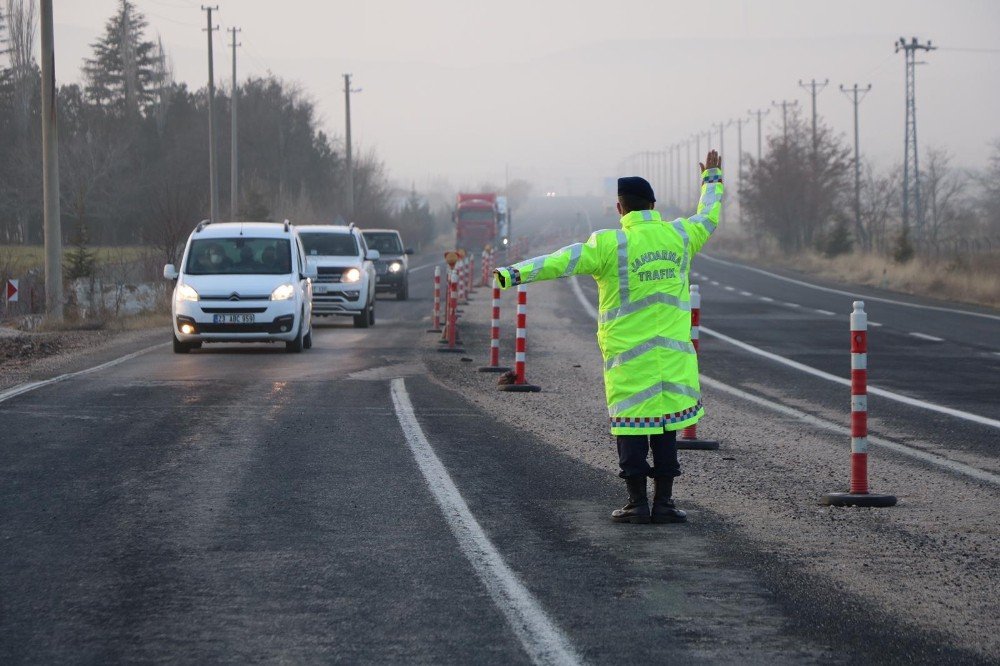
(451, 350)
(857, 499)
(493, 368)
(433, 330)
(696, 444)
(520, 388)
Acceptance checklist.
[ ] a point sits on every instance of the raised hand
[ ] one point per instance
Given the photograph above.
(712, 161)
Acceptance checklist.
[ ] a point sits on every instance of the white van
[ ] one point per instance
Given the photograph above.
(242, 282)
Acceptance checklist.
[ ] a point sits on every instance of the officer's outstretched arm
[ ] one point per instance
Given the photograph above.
(701, 225)
(577, 259)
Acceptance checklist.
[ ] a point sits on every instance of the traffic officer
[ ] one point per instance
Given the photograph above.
(643, 330)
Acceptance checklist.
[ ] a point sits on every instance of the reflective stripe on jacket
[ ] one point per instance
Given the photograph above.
(644, 310)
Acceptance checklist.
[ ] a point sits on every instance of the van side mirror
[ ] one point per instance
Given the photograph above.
(170, 272)
(310, 273)
(373, 255)
(408, 250)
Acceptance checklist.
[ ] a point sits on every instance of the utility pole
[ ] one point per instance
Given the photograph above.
(760, 113)
(816, 88)
(50, 171)
(911, 175)
(784, 116)
(858, 94)
(686, 167)
(678, 171)
(739, 122)
(234, 193)
(213, 176)
(350, 160)
(722, 151)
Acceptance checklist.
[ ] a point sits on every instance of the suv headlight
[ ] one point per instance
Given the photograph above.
(283, 292)
(185, 293)
(351, 275)
(395, 267)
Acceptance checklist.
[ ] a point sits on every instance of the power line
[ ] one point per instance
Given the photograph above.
(759, 113)
(857, 93)
(784, 104)
(815, 87)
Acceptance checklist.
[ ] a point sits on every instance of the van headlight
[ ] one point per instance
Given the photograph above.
(351, 275)
(283, 293)
(395, 267)
(185, 293)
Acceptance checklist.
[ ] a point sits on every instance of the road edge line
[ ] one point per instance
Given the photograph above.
(925, 456)
(541, 638)
(21, 389)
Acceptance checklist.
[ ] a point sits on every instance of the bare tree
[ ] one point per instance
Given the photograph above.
(879, 204)
(944, 191)
(22, 29)
(164, 76)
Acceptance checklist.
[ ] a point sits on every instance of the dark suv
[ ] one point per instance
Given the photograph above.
(393, 265)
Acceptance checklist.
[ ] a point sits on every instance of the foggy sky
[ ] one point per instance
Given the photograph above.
(561, 90)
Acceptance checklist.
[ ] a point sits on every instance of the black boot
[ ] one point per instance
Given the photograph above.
(664, 510)
(637, 509)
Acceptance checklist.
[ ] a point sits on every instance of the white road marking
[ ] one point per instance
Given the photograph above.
(874, 323)
(873, 390)
(21, 389)
(745, 293)
(903, 449)
(713, 283)
(767, 299)
(420, 268)
(924, 336)
(728, 288)
(852, 294)
(542, 639)
(792, 305)
(826, 312)
(919, 454)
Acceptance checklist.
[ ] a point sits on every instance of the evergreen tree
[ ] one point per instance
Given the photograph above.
(122, 75)
(80, 261)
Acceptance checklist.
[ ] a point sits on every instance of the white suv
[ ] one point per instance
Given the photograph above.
(242, 282)
(345, 280)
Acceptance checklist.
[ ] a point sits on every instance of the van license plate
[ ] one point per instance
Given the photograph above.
(233, 319)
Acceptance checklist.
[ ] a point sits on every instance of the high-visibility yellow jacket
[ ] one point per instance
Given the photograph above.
(644, 320)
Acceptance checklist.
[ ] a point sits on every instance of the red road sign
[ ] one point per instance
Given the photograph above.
(11, 291)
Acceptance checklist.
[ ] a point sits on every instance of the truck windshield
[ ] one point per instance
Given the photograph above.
(239, 256)
(476, 215)
(384, 242)
(329, 245)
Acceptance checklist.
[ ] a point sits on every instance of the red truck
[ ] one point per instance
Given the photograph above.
(477, 221)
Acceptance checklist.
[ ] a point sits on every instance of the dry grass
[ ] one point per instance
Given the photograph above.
(27, 257)
(974, 279)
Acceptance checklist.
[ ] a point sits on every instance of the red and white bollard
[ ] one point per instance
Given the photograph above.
(520, 383)
(858, 494)
(688, 438)
(462, 266)
(436, 319)
(470, 274)
(487, 269)
(494, 365)
(451, 328)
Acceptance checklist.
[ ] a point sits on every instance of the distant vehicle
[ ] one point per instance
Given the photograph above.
(503, 217)
(345, 281)
(242, 282)
(477, 221)
(393, 265)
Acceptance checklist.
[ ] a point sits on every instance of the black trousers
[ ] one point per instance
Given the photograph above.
(633, 450)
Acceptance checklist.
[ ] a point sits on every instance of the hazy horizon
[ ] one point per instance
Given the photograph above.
(560, 92)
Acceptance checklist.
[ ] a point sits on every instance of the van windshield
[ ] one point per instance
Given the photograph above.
(329, 245)
(386, 242)
(239, 256)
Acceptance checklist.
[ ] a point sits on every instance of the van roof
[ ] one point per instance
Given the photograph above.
(381, 231)
(325, 228)
(255, 229)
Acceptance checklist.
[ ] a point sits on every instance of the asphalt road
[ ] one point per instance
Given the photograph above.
(243, 504)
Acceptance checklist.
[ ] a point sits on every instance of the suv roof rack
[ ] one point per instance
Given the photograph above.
(351, 225)
(287, 224)
(202, 225)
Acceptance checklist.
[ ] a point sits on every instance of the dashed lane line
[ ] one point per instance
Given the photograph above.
(767, 299)
(728, 288)
(21, 389)
(903, 449)
(924, 336)
(745, 293)
(856, 295)
(541, 638)
(420, 268)
(826, 312)
(919, 454)
(792, 305)
(872, 390)
(874, 323)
